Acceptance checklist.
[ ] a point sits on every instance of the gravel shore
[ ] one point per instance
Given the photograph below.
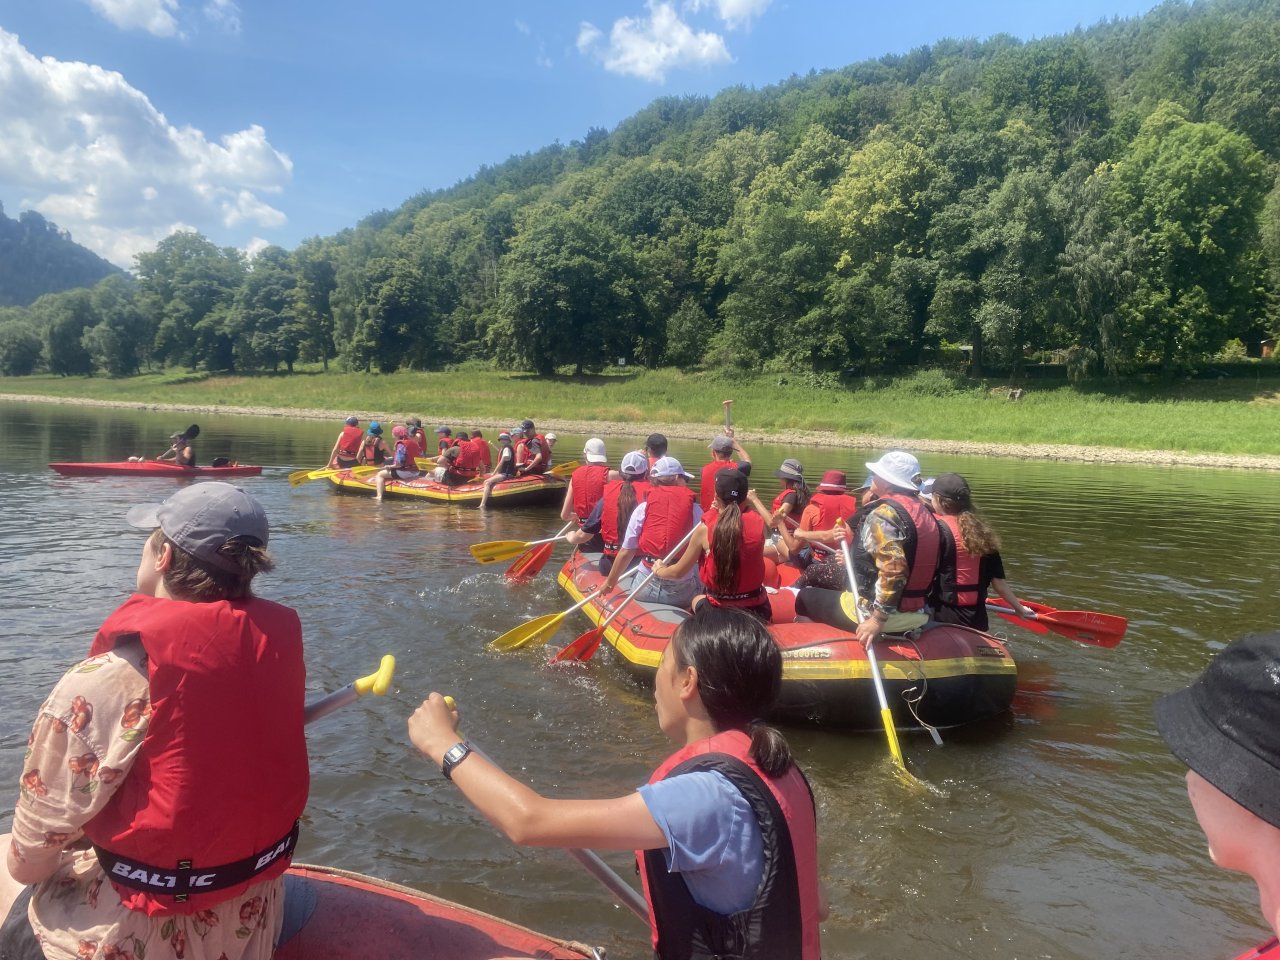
(700, 431)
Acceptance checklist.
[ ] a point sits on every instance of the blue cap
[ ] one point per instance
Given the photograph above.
(375, 428)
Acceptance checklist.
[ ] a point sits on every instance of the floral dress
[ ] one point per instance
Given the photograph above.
(82, 745)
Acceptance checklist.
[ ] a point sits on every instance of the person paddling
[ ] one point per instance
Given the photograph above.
(728, 547)
(346, 449)
(725, 831)
(162, 789)
(656, 526)
(1224, 728)
(725, 452)
(182, 450)
(971, 562)
(606, 527)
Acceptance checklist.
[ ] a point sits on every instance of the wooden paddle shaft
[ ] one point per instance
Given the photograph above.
(728, 418)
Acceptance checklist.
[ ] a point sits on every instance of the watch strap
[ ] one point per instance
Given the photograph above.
(454, 756)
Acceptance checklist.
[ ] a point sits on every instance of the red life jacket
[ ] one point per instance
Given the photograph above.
(748, 587)
(482, 450)
(522, 453)
(373, 451)
(1269, 949)
(668, 516)
(468, 462)
(922, 545)
(443, 444)
(783, 922)
(777, 501)
(419, 437)
(221, 776)
(349, 443)
(588, 487)
(959, 576)
(543, 446)
(610, 531)
(707, 487)
(830, 507)
(406, 454)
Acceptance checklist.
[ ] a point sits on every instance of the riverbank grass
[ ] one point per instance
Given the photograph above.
(1228, 416)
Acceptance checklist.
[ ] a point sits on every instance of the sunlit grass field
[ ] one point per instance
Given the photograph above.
(1227, 416)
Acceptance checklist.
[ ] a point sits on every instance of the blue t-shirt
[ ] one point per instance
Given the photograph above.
(713, 838)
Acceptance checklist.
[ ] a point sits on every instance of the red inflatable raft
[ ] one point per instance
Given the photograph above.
(346, 916)
(941, 675)
(151, 468)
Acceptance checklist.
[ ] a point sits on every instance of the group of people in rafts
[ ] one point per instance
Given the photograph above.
(917, 545)
(459, 459)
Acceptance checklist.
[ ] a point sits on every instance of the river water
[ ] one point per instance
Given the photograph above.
(1061, 830)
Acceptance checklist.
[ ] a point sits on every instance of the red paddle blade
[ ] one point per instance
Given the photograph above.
(530, 563)
(1085, 626)
(583, 648)
(998, 606)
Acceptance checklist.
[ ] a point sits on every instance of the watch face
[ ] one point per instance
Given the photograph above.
(455, 752)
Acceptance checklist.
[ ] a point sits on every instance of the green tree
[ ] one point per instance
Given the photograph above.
(118, 341)
(64, 317)
(20, 344)
(185, 285)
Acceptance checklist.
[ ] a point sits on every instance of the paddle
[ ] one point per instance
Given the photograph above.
(377, 682)
(1084, 626)
(584, 647)
(564, 469)
(495, 551)
(886, 715)
(538, 630)
(530, 563)
(302, 476)
(728, 420)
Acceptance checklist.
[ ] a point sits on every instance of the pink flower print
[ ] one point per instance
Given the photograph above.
(249, 911)
(81, 714)
(87, 949)
(179, 943)
(109, 774)
(54, 839)
(134, 711)
(31, 781)
(86, 764)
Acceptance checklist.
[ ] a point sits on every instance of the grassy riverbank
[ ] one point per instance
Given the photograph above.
(1195, 417)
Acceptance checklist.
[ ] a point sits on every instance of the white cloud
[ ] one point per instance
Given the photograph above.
(153, 16)
(255, 247)
(223, 13)
(734, 13)
(92, 153)
(649, 46)
(524, 27)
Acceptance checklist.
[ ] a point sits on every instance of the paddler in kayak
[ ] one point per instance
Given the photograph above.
(1224, 728)
(346, 449)
(182, 450)
(728, 549)
(165, 774)
(971, 562)
(896, 553)
(655, 529)
(702, 824)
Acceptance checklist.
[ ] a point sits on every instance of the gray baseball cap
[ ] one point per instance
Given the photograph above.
(204, 516)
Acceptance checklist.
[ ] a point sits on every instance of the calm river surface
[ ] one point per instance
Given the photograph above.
(1061, 831)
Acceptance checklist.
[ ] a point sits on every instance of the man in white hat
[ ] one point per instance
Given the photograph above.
(896, 548)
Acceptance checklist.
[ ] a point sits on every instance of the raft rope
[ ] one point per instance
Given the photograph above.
(923, 689)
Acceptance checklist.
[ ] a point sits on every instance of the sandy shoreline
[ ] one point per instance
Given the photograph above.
(699, 431)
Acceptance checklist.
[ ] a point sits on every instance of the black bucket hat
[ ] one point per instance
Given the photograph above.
(1226, 725)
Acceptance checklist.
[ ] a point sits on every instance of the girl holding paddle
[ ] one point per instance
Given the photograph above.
(725, 830)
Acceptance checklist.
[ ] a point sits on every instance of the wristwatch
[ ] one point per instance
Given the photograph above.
(454, 756)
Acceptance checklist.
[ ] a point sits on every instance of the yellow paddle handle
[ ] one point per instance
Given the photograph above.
(378, 682)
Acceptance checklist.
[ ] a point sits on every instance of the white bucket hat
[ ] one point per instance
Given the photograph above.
(594, 451)
(898, 469)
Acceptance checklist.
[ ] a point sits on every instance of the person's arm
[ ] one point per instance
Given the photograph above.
(523, 815)
(693, 551)
(566, 509)
(170, 454)
(334, 452)
(1007, 595)
(590, 527)
(883, 541)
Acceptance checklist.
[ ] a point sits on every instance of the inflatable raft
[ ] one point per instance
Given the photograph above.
(517, 492)
(941, 676)
(345, 916)
(151, 468)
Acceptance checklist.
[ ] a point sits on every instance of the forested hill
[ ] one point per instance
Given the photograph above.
(37, 258)
(1107, 198)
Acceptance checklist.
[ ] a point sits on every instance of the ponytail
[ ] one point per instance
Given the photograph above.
(626, 504)
(726, 547)
(769, 749)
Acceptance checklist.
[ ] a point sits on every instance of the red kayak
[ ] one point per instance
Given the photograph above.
(346, 916)
(152, 468)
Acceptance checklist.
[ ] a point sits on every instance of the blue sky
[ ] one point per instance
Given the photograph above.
(268, 121)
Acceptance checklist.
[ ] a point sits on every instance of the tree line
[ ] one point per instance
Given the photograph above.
(1107, 197)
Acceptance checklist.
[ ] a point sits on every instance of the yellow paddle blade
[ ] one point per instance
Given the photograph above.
(495, 551)
(534, 633)
(380, 681)
(564, 469)
(360, 472)
(299, 476)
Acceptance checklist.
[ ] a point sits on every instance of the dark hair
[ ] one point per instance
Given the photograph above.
(739, 677)
(190, 579)
(656, 444)
(802, 492)
(627, 502)
(978, 537)
(726, 547)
